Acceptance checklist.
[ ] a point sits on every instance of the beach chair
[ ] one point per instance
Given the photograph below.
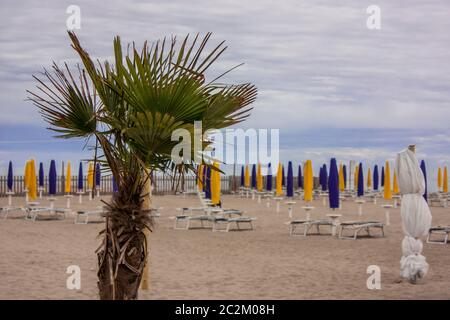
(357, 226)
(32, 213)
(87, 214)
(6, 210)
(306, 225)
(441, 231)
(223, 224)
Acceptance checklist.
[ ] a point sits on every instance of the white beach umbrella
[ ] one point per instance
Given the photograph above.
(416, 215)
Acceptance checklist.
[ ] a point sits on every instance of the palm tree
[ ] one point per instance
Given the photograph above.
(130, 109)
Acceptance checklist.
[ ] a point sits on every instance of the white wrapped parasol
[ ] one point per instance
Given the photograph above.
(416, 215)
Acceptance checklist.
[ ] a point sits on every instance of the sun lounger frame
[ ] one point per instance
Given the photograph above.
(32, 213)
(358, 226)
(87, 214)
(307, 225)
(228, 222)
(441, 231)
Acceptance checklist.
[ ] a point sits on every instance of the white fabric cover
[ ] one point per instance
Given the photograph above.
(416, 215)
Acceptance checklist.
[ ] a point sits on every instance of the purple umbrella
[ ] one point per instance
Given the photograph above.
(300, 178)
(41, 175)
(242, 177)
(98, 175)
(269, 178)
(52, 178)
(10, 177)
(424, 171)
(290, 181)
(344, 171)
(208, 183)
(254, 176)
(375, 178)
(382, 176)
(283, 181)
(324, 181)
(333, 185)
(80, 177)
(115, 187)
(360, 181)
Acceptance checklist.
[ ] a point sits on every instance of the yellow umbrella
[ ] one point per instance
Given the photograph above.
(247, 177)
(90, 177)
(259, 179)
(356, 177)
(32, 182)
(26, 174)
(68, 179)
(439, 181)
(215, 184)
(395, 187)
(369, 179)
(308, 181)
(200, 177)
(445, 183)
(341, 178)
(279, 181)
(387, 182)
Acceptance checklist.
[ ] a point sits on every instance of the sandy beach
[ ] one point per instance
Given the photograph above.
(265, 263)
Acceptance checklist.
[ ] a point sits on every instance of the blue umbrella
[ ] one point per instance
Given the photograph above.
(41, 175)
(254, 176)
(376, 178)
(333, 185)
(52, 178)
(320, 176)
(360, 181)
(205, 169)
(424, 170)
(382, 176)
(242, 177)
(98, 175)
(290, 181)
(10, 177)
(344, 171)
(283, 180)
(324, 178)
(80, 177)
(114, 183)
(300, 178)
(269, 178)
(208, 183)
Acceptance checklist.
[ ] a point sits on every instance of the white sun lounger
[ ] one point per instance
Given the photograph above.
(86, 214)
(307, 225)
(32, 213)
(439, 230)
(224, 224)
(6, 210)
(357, 226)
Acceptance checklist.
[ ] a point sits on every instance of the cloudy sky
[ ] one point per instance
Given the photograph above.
(331, 85)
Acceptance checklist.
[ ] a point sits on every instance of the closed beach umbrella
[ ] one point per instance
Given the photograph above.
(356, 177)
(416, 216)
(10, 177)
(90, 176)
(259, 179)
(387, 182)
(369, 179)
(80, 177)
(200, 177)
(395, 187)
(439, 179)
(52, 178)
(269, 178)
(204, 177)
(375, 178)
(321, 176)
(114, 185)
(32, 184)
(208, 183)
(300, 177)
(242, 177)
(254, 176)
(324, 177)
(247, 177)
(333, 185)
(424, 171)
(344, 170)
(290, 181)
(279, 181)
(98, 175)
(283, 179)
(26, 175)
(341, 177)
(41, 175)
(215, 184)
(68, 187)
(308, 181)
(445, 182)
(382, 176)
(360, 181)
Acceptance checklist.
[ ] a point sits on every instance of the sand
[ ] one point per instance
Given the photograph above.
(265, 263)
